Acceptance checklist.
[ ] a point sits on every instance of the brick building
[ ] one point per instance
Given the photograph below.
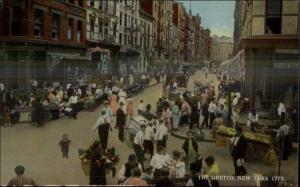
(37, 36)
(179, 22)
(207, 45)
(197, 25)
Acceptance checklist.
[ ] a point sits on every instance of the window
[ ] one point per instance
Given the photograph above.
(115, 29)
(121, 18)
(92, 27)
(55, 26)
(120, 38)
(38, 22)
(70, 29)
(100, 30)
(79, 30)
(106, 31)
(72, 1)
(92, 3)
(100, 4)
(16, 21)
(273, 17)
(80, 3)
(125, 20)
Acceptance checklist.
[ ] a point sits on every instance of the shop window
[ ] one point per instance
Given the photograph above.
(38, 22)
(16, 21)
(273, 17)
(70, 29)
(55, 26)
(79, 30)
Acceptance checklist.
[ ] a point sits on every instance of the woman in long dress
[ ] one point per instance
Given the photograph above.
(190, 148)
(166, 114)
(130, 107)
(114, 103)
(175, 116)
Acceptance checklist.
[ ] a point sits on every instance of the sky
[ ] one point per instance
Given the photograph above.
(216, 15)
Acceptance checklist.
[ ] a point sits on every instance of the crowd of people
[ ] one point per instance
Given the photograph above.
(150, 161)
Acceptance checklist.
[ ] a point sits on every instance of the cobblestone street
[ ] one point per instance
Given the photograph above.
(38, 151)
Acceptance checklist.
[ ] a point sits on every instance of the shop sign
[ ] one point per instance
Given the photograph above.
(286, 65)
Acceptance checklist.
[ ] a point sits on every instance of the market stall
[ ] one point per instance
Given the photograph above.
(258, 143)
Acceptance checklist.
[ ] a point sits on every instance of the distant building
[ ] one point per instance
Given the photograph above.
(221, 49)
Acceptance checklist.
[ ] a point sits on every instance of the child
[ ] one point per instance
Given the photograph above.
(64, 144)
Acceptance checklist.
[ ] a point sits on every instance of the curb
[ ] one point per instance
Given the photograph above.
(176, 135)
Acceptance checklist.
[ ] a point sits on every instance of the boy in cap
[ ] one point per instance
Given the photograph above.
(64, 144)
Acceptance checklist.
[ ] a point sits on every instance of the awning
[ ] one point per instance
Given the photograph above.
(99, 49)
(234, 67)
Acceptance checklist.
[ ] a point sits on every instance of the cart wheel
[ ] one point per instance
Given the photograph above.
(129, 136)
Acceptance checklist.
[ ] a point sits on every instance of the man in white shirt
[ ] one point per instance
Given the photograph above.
(108, 111)
(148, 139)
(73, 104)
(161, 134)
(103, 126)
(159, 161)
(138, 144)
(141, 107)
(212, 108)
(122, 98)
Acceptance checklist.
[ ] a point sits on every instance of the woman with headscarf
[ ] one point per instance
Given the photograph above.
(166, 114)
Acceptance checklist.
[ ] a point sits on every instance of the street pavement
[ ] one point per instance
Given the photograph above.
(38, 151)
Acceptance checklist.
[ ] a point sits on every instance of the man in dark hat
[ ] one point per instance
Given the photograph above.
(20, 179)
(197, 179)
(121, 121)
(238, 152)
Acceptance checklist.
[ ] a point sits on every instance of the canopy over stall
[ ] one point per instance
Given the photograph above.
(234, 66)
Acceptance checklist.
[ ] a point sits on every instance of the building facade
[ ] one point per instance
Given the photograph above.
(102, 34)
(221, 49)
(146, 37)
(197, 46)
(269, 36)
(179, 22)
(207, 47)
(129, 28)
(39, 40)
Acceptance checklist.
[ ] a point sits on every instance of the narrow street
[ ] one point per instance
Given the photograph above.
(38, 151)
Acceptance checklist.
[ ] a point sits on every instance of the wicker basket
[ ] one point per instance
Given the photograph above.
(86, 165)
